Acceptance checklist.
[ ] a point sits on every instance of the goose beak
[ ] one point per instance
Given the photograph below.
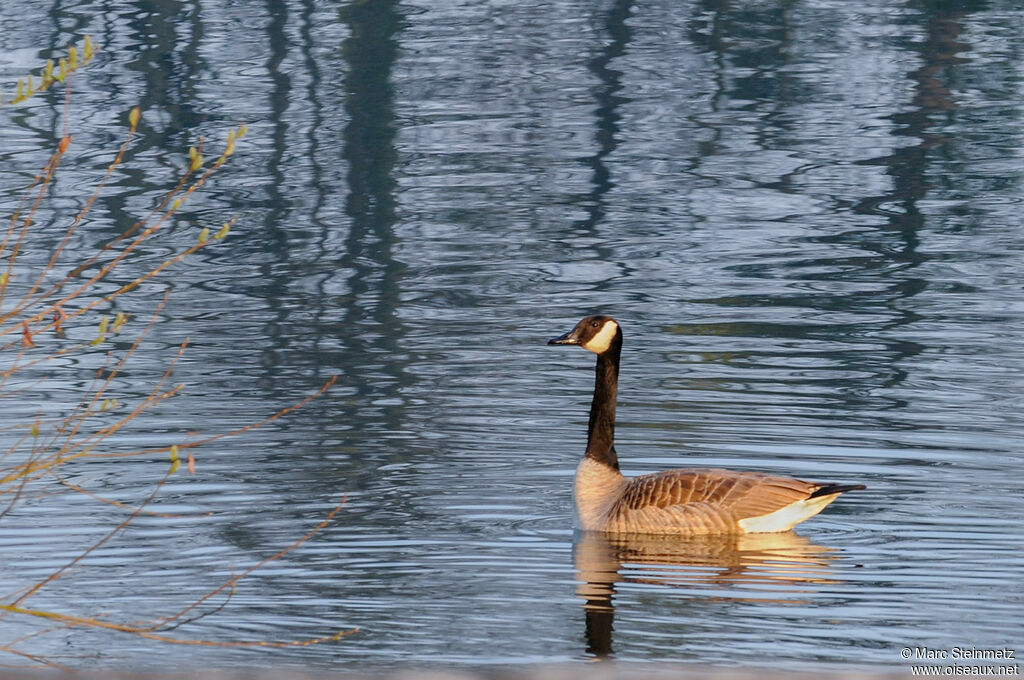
(565, 339)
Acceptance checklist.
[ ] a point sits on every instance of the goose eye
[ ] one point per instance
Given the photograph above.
(595, 324)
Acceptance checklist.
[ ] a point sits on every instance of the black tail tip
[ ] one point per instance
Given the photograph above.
(829, 489)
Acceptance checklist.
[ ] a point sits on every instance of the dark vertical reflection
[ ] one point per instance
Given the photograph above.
(369, 325)
(170, 64)
(754, 39)
(167, 35)
(597, 565)
(600, 620)
(49, 135)
(280, 97)
(274, 239)
(316, 106)
(908, 166)
(606, 112)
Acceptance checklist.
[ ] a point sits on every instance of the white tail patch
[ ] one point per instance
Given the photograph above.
(600, 343)
(788, 517)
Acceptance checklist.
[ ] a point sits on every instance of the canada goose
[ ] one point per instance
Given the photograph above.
(689, 502)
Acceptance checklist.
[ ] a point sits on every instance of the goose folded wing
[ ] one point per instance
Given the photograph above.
(722, 492)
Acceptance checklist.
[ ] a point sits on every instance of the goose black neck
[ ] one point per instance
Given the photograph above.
(601, 431)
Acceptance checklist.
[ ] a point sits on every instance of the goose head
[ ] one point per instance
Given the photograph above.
(593, 333)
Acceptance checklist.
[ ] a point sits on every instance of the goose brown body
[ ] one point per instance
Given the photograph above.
(687, 502)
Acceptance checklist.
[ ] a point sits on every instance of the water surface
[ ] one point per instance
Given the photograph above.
(807, 220)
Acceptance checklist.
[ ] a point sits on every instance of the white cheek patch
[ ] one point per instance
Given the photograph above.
(603, 340)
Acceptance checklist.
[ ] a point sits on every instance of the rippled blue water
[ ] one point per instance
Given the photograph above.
(807, 220)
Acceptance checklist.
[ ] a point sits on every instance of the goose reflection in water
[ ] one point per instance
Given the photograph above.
(788, 562)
